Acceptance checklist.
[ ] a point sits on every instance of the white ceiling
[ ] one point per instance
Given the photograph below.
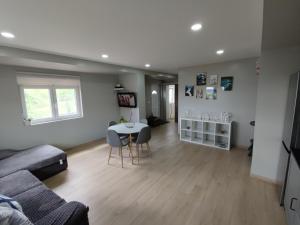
(135, 32)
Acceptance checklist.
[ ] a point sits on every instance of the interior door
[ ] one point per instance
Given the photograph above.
(288, 129)
(292, 194)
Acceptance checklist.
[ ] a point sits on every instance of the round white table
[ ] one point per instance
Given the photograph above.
(128, 128)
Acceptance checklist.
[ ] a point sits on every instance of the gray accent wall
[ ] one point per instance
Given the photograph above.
(99, 107)
(241, 101)
(269, 158)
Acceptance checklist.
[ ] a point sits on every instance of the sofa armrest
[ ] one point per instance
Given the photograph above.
(72, 213)
(8, 153)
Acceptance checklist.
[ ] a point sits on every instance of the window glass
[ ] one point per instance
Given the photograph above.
(38, 103)
(66, 102)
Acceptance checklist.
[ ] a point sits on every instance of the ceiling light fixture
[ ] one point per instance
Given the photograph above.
(196, 27)
(7, 35)
(147, 65)
(220, 52)
(105, 56)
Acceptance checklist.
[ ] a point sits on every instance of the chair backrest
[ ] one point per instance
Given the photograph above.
(111, 123)
(113, 139)
(145, 121)
(144, 135)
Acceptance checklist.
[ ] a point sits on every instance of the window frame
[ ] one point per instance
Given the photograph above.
(54, 106)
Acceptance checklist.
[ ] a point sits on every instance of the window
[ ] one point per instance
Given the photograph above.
(47, 99)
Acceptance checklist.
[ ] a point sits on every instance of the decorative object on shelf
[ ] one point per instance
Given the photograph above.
(199, 92)
(118, 87)
(211, 93)
(212, 80)
(226, 117)
(227, 83)
(189, 90)
(188, 113)
(201, 79)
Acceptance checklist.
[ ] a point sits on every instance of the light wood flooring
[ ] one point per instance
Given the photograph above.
(181, 184)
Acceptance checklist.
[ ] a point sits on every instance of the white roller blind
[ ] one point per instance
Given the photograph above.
(27, 80)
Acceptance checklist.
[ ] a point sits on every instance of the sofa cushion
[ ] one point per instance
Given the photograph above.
(31, 159)
(17, 183)
(39, 202)
(67, 214)
(7, 153)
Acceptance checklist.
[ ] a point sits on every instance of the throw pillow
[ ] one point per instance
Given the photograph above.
(10, 216)
(9, 203)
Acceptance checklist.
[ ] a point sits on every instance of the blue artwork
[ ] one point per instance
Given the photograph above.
(227, 83)
(189, 90)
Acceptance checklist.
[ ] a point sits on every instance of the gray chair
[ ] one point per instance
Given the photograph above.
(122, 136)
(114, 140)
(143, 137)
(111, 123)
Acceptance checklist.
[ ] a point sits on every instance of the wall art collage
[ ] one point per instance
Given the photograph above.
(207, 85)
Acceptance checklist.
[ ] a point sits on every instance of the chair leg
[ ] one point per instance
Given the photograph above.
(121, 154)
(109, 155)
(130, 154)
(148, 148)
(138, 153)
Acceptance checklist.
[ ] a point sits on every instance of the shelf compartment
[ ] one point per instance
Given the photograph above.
(222, 129)
(197, 126)
(222, 142)
(197, 137)
(208, 139)
(186, 135)
(209, 128)
(186, 124)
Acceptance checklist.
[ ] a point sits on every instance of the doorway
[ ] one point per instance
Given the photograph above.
(170, 102)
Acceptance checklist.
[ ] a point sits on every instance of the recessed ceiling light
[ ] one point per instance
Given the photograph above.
(105, 56)
(196, 27)
(7, 35)
(147, 65)
(220, 52)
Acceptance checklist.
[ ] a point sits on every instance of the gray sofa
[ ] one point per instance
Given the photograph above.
(41, 205)
(43, 161)
(20, 172)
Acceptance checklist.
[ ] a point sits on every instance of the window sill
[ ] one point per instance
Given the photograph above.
(52, 121)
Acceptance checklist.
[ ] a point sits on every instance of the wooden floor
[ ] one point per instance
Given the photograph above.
(182, 184)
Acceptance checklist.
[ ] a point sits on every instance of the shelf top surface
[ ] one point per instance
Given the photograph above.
(205, 121)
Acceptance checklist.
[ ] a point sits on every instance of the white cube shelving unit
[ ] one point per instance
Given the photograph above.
(209, 133)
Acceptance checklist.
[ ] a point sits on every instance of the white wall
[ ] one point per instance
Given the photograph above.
(134, 82)
(241, 101)
(276, 66)
(99, 107)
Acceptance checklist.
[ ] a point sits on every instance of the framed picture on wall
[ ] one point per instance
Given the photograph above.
(199, 93)
(201, 79)
(211, 93)
(212, 80)
(189, 90)
(227, 83)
